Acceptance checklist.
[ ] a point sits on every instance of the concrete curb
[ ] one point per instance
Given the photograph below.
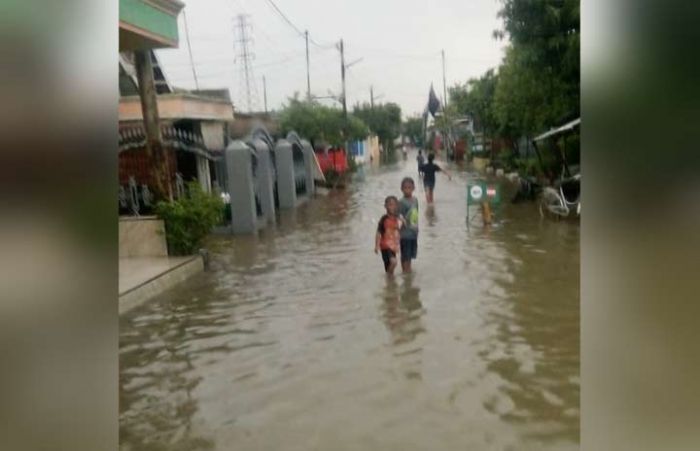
(139, 294)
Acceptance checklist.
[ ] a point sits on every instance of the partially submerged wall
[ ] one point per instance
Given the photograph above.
(142, 236)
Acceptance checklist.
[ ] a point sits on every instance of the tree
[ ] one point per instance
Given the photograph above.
(527, 100)
(413, 129)
(318, 122)
(384, 120)
(545, 43)
(538, 82)
(475, 99)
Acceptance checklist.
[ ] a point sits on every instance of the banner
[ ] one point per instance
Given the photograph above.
(433, 102)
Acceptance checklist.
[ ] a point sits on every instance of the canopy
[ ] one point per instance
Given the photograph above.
(556, 131)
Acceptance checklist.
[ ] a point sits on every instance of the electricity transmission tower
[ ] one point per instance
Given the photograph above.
(245, 57)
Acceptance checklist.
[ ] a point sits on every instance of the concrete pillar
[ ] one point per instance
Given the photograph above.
(286, 188)
(240, 187)
(264, 180)
(309, 165)
(203, 174)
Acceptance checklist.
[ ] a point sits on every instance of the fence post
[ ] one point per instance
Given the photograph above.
(286, 186)
(240, 187)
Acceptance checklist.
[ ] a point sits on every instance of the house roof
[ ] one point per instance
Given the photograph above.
(178, 106)
(128, 82)
(220, 94)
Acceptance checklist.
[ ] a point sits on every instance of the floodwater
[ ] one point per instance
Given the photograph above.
(296, 340)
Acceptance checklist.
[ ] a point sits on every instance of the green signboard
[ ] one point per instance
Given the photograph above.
(151, 18)
(483, 192)
(480, 193)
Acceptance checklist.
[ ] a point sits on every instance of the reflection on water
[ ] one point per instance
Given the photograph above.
(296, 339)
(402, 309)
(430, 216)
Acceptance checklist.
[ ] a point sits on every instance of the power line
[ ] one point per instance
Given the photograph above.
(286, 19)
(189, 48)
(299, 32)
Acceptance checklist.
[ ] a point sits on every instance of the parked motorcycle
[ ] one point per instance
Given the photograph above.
(564, 199)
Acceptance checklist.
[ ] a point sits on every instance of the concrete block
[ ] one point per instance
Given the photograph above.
(142, 236)
(310, 167)
(286, 187)
(264, 180)
(240, 187)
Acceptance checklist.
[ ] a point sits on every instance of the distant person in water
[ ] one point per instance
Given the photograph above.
(408, 210)
(429, 170)
(388, 236)
(421, 160)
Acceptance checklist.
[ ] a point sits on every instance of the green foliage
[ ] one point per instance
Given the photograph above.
(190, 219)
(318, 122)
(352, 164)
(537, 85)
(519, 104)
(475, 99)
(356, 128)
(413, 129)
(383, 119)
(540, 76)
(526, 166)
(445, 120)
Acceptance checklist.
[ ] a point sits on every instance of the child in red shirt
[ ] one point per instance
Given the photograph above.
(387, 238)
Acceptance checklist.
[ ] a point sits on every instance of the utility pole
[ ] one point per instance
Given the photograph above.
(149, 108)
(308, 76)
(444, 85)
(448, 132)
(371, 96)
(342, 75)
(265, 93)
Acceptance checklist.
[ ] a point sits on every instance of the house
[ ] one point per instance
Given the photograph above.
(193, 129)
(145, 268)
(245, 122)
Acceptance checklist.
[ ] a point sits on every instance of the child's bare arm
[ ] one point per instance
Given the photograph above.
(446, 172)
(377, 239)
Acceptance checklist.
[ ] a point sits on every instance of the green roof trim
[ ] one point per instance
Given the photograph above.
(147, 17)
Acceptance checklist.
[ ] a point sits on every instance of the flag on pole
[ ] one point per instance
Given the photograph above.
(433, 101)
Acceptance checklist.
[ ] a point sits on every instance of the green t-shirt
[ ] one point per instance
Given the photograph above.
(408, 208)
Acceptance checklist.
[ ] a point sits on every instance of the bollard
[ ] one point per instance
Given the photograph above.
(240, 187)
(204, 253)
(286, 187)
(264, 180)
(486, 212)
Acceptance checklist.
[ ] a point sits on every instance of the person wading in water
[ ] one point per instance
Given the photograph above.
(429, 169)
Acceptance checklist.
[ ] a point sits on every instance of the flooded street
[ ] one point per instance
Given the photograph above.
(296, 339)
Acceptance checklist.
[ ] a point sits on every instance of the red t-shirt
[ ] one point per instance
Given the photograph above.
(389, 230)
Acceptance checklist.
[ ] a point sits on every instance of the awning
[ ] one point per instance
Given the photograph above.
(570, 126)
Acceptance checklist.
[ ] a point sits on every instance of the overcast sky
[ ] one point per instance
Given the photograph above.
(399, 40)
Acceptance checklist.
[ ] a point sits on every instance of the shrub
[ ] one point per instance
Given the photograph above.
(526, 166)
(189, 219)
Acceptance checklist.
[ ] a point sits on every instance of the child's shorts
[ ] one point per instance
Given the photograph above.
(387, 255)
(409, 249)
